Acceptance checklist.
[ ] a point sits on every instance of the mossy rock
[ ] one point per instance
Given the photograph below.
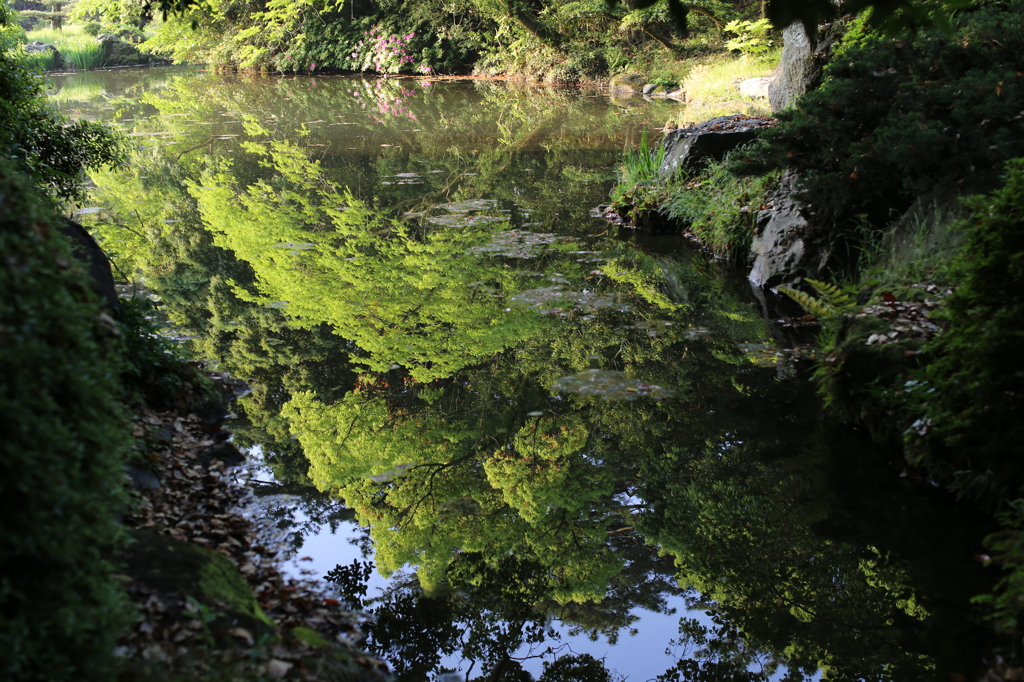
(171, 566)
(627, 82)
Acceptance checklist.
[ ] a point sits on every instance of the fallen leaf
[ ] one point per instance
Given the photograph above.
(242, 633)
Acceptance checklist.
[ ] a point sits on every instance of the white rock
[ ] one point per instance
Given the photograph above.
(755, 87)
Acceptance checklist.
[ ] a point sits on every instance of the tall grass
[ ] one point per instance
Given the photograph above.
(641, 164)
(711, 87)
(919, 247)
(44, 61)
(78, 47)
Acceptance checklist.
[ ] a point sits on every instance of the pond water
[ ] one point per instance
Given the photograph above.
(550, 438)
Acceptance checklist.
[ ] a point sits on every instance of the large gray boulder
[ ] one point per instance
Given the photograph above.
(803, 60)
(94, 261)
(36, 47)
(710, 140)
(786, 248)
(117, 52)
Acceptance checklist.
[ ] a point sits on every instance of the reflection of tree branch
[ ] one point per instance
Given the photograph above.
(439, 467)
(192, 149)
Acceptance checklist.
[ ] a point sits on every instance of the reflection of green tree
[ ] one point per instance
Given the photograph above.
(433, 444)
(330, 259)
(740, 531)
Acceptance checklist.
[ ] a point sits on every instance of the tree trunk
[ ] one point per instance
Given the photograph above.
(57, 17)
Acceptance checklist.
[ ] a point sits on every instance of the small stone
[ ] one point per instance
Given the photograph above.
(277, 668)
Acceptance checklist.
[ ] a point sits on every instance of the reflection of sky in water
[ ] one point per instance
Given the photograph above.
(640, 658)
(693, 352)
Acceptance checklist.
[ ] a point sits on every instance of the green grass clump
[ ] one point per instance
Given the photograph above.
(79, 48)
(640, 164)
(720, 207)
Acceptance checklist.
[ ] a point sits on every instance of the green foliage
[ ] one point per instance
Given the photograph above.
(969, 406)
(1003, 604)
(752, 37)
(63, 439)
(575, 668)
(720, 207)
(92, 28)
(896, 119)
(40, 141)
(315, 35)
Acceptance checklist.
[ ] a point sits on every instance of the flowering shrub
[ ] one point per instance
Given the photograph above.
(385, 53)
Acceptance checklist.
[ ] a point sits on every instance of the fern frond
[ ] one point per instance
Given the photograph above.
(830, 302)
(833, 295)
(821, 308)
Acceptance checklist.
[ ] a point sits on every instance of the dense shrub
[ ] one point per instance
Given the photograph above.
(62, 437)
(897, 118)
(970, 399)
(40, 141)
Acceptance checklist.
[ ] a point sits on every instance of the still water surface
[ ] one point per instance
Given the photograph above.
(550, 438)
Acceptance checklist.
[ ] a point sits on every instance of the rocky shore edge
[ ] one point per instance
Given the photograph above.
(210, 596)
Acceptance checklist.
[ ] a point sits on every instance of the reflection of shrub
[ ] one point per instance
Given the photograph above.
(152, 371)
(61, 442)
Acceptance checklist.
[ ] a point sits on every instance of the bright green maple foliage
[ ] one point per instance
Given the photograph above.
(326, 257)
